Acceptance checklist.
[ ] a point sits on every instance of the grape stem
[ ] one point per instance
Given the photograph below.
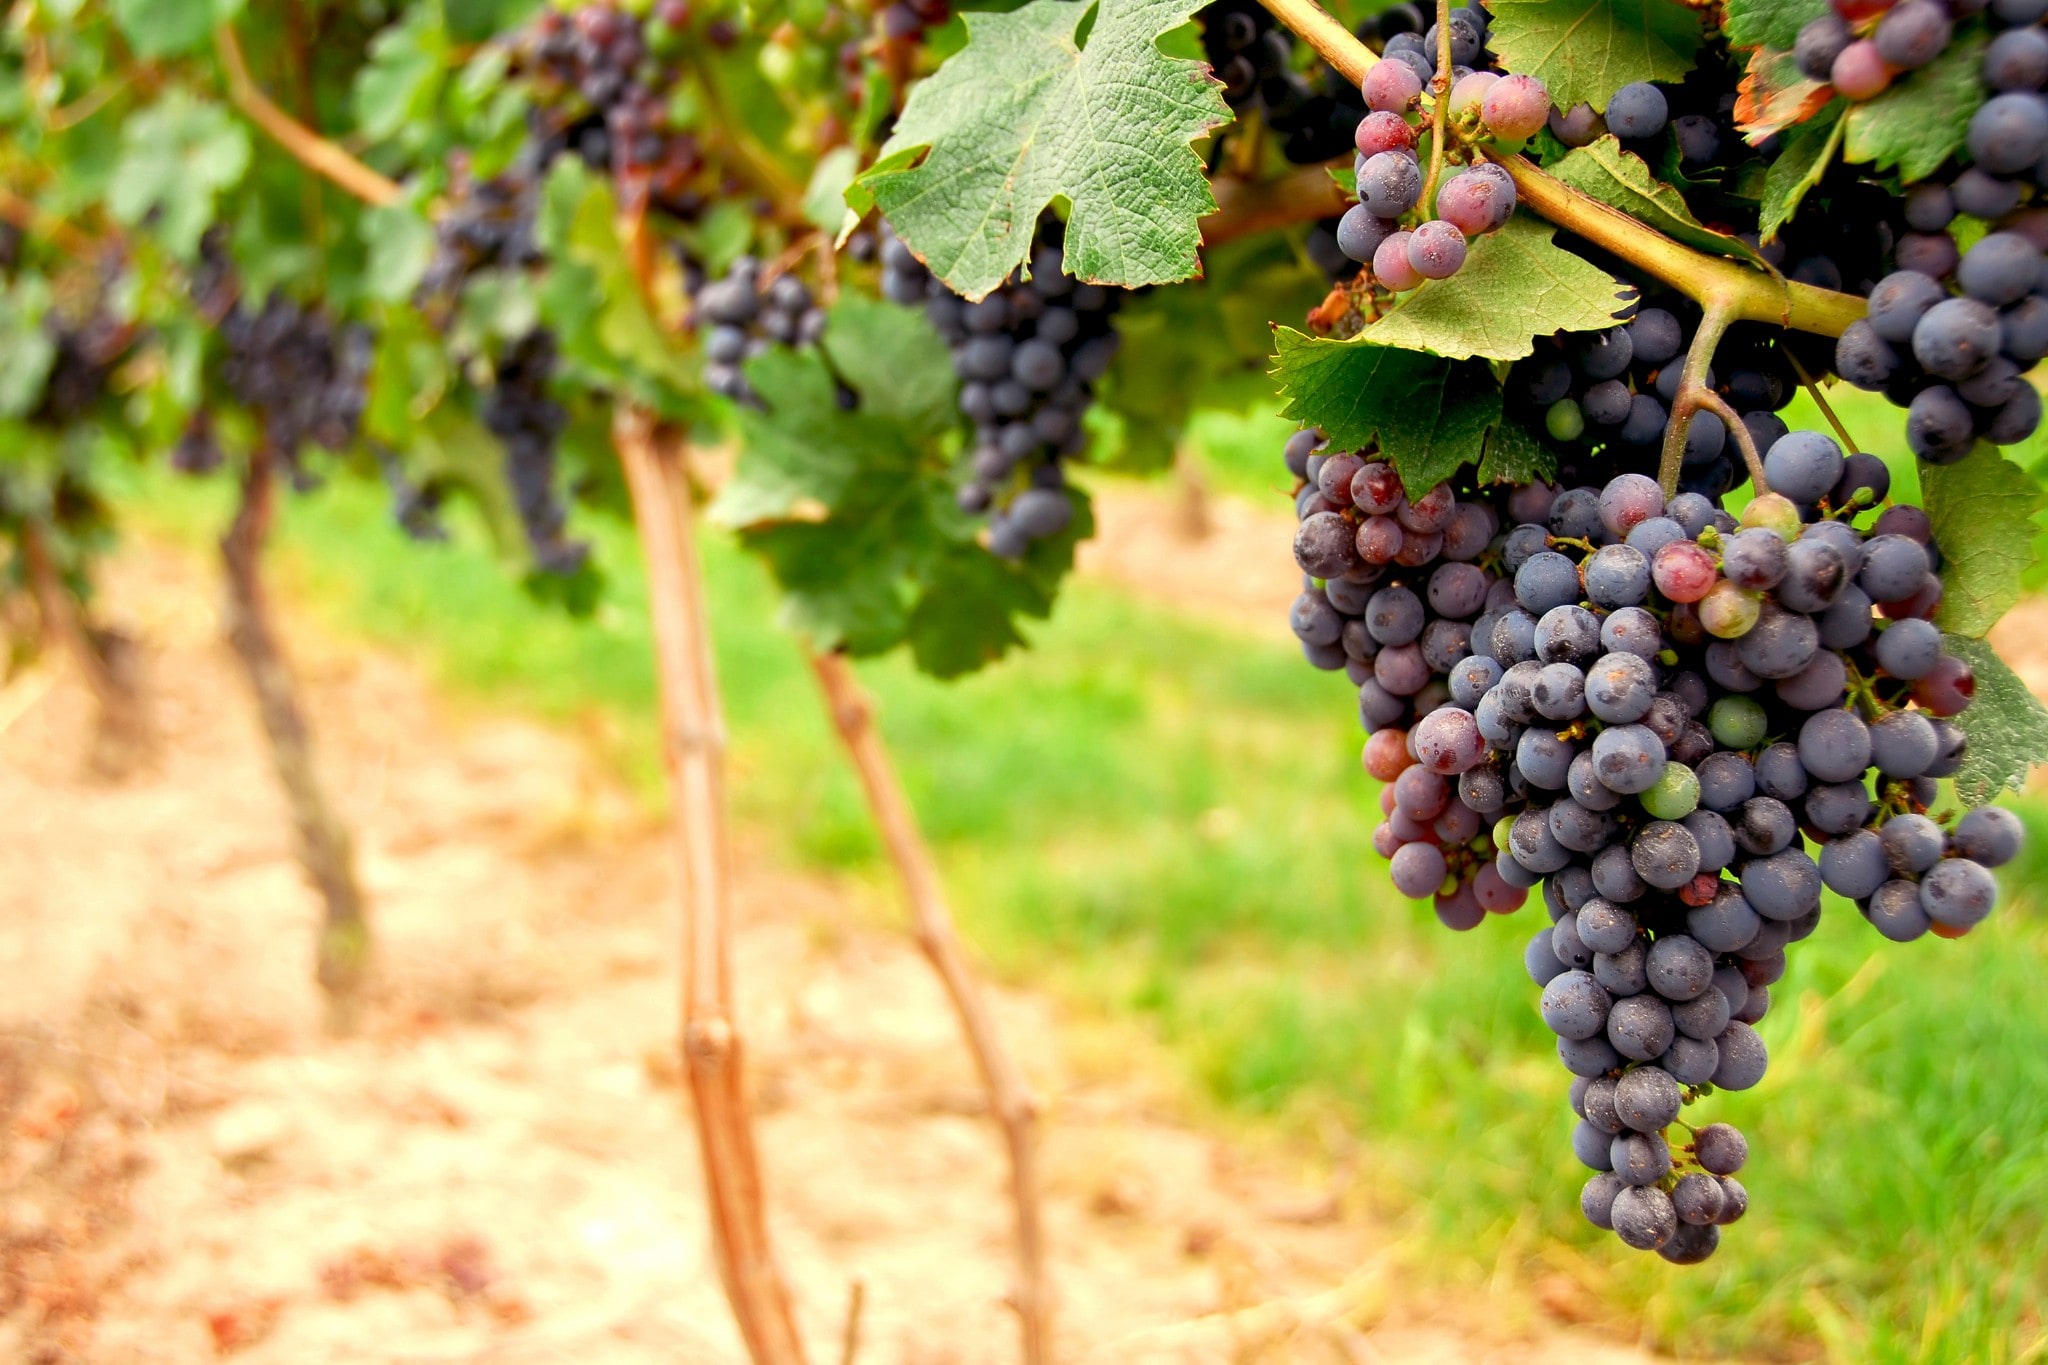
(310, 149)
(1756, 295)
(1738, 433)
(1440, 112)
(1693, 394)
(1820, 401)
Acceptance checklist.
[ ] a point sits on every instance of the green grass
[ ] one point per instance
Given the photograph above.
(1161, 818)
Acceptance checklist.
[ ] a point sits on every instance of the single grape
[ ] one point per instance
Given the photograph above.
(1359, 233)
(2009, 133)
(1859, 71)
(1389, 184)
(1744, 1058)
(1515, 108)
(1989, 836)
(1958, 893)
(1684, 571)
(2017, 60)
(1913, 34)
(1391, 87)
(1480, 200)
(1803, 466)
(1436, 250)
(1642, 1216)
(1820, 41)
(1637, 110)
(1577, 126)
(1383, 132)
(1673, 796)
(1390, 265)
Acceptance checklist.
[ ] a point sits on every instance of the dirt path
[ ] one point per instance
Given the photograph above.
(501, 1169)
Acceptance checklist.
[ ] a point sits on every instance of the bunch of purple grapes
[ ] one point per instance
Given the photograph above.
(1029, 355)
(1254, 58)
(528, 422)
(739, 316)
(303, 376)
(1472, 200)
(1657, 702)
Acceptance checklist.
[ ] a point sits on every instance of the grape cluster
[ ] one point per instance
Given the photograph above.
(1605, 398)
(1650, 702)
(304, 377)
(197, 450)
(1030, 355)
(1254, 58)
(739, 317)
(528, 423)
(488, 224)
(1472, 200)
(607, 60)
(415, 507)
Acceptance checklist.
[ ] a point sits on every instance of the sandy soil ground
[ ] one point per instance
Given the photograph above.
(500, 1168)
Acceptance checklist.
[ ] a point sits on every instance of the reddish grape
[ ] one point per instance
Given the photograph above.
(1334, 478)
(1496, 895)
(1419, 549)
(1684, 571)
(1384, 132)
(1921, 605)
(1419, 791)
(1385, 842)
(1939, 929)
(1856, 11)
(1461, 909)
(1391, 87)
(1948, 689)
(1386, 757)
(1860, 73)
(1479, 201)
(1448, 741)
(1376, 489)
(1430, 512)
(1435, 250)
(1457, 825)
(1390, 264)
(1515, 108)
(1418, 870)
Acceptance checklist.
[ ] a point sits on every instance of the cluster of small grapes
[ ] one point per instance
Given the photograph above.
(1474, 199)
(1956, 363)
(84, 357)
(1030, 355)
(608, 58)
(740, 317)
(197, 450)
(1861, 46)
(528, 422)
(1609, 394)
(1632, 662)
(1254, 58)
(303, 377)
(1395, 591)
(1641, 113)
(416, 508)
(488, 224)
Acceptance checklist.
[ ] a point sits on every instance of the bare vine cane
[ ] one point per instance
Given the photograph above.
(1010, 1101)
(693, 731)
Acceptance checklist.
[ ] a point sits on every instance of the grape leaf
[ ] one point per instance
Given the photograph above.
(825, 197)
(397, 89)
(1982, 508)
(1768, 23)
(1924, 118)
(1029, 112)
(26, 349)
(1428, 414)
(854, 511)
(1775, 95)
(171, 28)
(1803, 161)
(176, 155)
(1515, 285)
(1585, 50)
(1606, 171)
(2005, 724)
(1514, 455)
(608, 334)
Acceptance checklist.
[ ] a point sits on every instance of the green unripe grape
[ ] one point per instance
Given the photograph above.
(1564, 421)
(1729, 612)
(1737, 722)
(1773, 512)
(1675, 794)
(1501, 829)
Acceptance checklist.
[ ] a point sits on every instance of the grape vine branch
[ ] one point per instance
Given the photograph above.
(1751, 295)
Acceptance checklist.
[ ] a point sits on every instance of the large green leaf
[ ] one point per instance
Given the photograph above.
(1606, 171)
(853, 510)
(1516, 284)
(1924, 118)
(1768, 23)
(2006, 726)
(1516, 455)
(1585, 50)
(1428, 415)
(1983, 509)
(176, 156)
(1801, 163)
(1029, 112)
